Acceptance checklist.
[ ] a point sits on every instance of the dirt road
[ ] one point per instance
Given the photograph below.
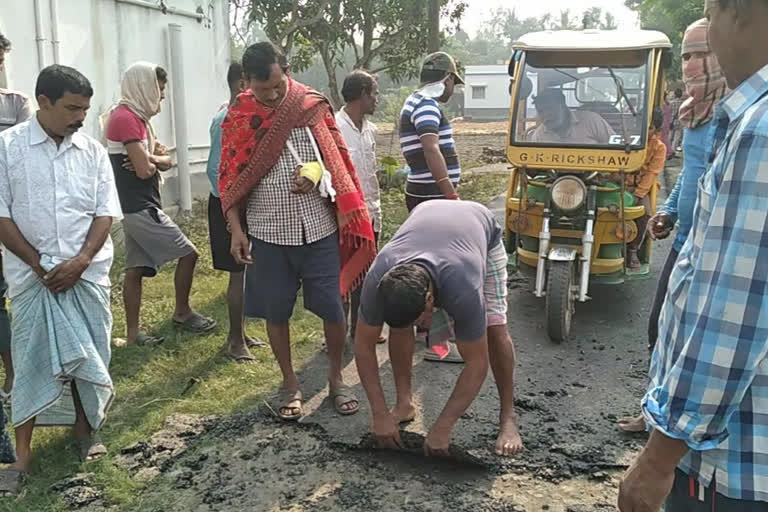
(568, 399)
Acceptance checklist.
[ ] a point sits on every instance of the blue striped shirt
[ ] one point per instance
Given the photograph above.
(422, 116)
(709, 371)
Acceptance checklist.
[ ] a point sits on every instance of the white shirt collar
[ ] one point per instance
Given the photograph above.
(37, 135)
(348, 120)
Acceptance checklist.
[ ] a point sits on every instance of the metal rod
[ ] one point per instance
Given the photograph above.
(39, 36)
(522, 181)
(544, 238)
(169, 10)
(621, 219)
(587, 242)
(55, 42)
(180, 116)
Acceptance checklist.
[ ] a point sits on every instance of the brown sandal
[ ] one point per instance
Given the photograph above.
(286, 399)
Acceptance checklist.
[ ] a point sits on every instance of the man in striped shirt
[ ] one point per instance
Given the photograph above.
(426, 140)
(426, 136)
(706, 402)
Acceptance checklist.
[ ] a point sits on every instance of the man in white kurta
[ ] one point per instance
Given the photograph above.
(57, 203)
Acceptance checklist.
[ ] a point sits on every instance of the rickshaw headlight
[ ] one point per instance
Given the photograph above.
(568, 193)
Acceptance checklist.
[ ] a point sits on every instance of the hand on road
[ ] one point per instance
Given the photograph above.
(644, 487)
(241, 248)
(386, 431)
(65, 275)
(660, 226)
(438, 443)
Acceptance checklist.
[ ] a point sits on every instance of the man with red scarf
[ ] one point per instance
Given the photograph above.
(295, 208)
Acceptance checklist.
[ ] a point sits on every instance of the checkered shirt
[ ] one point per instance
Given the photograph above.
(278, 216)
(709, 371)
(675, 105)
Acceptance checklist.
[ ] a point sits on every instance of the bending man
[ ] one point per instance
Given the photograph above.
(461, 268)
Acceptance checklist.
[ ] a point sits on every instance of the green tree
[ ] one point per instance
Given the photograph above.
(593, 18)
(566, 22)
(671, 17)
(384, 35)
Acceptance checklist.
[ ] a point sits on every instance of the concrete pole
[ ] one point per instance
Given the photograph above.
(180, 117)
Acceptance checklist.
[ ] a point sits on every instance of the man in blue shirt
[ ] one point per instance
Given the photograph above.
(705, 85)
(237, 341)
(708, 389)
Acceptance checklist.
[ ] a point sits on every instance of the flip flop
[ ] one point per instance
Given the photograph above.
(285, 399)
(452, 356)
(196, 323)
(11, 482)
(92, 449)
(252, 342)
(241, 359)
(147, 340)
(631, 424)
(341, 396)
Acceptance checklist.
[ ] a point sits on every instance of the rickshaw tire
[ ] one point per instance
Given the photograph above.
(559, 301)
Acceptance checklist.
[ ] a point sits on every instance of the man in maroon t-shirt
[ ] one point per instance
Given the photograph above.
(151, 237)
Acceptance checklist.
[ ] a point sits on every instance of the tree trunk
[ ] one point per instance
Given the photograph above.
(330, 70)
(434, 26)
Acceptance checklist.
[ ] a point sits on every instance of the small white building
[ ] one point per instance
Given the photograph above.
(101, 38)
(486, 93)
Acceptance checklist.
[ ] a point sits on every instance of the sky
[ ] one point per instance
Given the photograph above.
(479, 10)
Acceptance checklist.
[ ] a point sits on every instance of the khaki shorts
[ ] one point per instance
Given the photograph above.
(152, 239)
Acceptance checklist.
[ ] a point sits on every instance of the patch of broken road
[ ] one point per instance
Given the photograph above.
(569, 397)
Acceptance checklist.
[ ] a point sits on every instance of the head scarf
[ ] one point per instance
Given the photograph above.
(140, 92)
(702, 75)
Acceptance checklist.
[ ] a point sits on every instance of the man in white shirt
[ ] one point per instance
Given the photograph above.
(361, 94)
(57, 203)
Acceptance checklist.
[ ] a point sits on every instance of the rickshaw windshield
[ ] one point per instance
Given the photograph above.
(586, 107)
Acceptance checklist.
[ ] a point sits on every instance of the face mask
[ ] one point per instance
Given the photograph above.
(434, 90)
(702, 75)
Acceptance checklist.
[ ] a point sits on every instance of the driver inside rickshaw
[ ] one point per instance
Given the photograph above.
(559, 124)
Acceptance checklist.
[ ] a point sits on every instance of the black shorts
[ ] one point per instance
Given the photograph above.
(272, 281)
(221, 239)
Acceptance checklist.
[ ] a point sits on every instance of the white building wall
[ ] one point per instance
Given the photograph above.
(496, 82)
(101, 38)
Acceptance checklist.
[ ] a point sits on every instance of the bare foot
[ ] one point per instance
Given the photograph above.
(509, 441)
(404, 413)
(632, 424)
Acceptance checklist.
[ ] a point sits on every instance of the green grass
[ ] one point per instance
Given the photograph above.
(150, 381)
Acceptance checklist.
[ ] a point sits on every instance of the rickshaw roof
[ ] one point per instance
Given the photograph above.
(589, 40)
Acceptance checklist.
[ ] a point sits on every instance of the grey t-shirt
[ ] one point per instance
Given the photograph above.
(450, 239)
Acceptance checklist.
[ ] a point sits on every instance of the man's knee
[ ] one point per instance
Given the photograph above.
(192, 257)
(134, 275)
(499, 335)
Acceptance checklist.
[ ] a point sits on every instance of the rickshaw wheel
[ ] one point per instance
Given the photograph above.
(560, 300)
